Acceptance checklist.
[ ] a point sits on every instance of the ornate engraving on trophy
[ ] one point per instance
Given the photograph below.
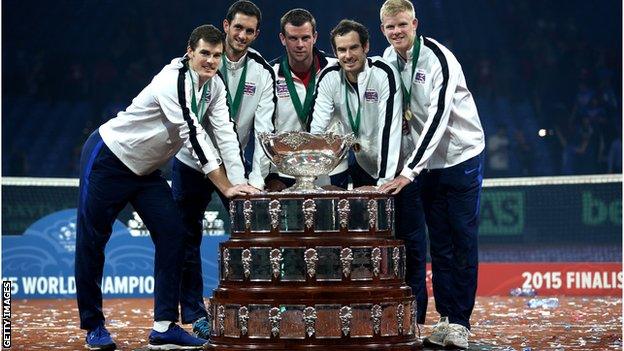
(221, 319)
(311, 258)
(309, 208)
(243, 319)
(346, 257)
(275, 210)
(331, 138)
(376, 259)
(295, 140)
(372, 213)
(232, 214)
(226, 263)
(309, 320)
(346, 314)
(275, 316)
(247, 211)
(246, 259)
(376, 319)
(400, 313)
(396, 256)
(390, 211)
(343, 212)
(276, 262)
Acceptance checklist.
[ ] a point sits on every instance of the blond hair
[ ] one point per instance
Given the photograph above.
(393, 7)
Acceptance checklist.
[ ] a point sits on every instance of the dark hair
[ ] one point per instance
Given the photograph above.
(345, 26)
(246, 8)
(208, 32)
(297, 17)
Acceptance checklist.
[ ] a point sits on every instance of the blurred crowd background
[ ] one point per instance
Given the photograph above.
(546, 75)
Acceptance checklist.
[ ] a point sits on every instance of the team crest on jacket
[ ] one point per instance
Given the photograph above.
(370, 95)
(207, 97)
(250, 88)
(420, 77)
(282, 89)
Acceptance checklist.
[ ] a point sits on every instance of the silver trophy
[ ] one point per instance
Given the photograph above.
(305, 156)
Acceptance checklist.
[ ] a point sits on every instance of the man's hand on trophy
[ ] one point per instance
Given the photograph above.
(394, 186)
(240, 189)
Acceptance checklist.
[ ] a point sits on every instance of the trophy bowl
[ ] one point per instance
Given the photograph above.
(305, 156)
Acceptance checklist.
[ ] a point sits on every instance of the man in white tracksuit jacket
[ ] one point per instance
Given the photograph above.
(246, 100)
(120, 164)
(447, 162)
(363, 93)
(297, 75)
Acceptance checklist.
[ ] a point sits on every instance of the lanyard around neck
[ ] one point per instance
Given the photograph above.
(355, 124)
(408, 93)
(200, 110)
(234, 104)
(302, 111)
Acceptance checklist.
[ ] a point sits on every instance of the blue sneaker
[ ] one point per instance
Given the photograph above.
(175, 338)
(202, 328)
(99, 339)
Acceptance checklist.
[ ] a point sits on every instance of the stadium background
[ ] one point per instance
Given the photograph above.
(546, 78)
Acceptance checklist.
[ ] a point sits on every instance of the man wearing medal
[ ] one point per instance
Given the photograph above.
(120, 164)
(297, 75)
(446, 162)
(250, 93)
(363, 92)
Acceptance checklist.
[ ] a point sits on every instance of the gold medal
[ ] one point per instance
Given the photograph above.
(408, 114)
(357, 147)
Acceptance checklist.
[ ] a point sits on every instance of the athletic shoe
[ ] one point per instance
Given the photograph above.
(175, 338)
(99, 339)
(438, 334)
(457, 336)
(202, 328)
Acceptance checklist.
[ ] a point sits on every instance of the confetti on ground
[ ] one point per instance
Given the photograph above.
(498, 323)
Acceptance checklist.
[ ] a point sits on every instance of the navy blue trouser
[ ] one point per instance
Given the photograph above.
(451, 201)
(106, 186)
(410, 227)
(192, 192)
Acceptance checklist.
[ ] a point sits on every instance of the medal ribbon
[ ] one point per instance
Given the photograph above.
(302, 111)
(408, 93)
(355, 125)
(200, 110)
(234, 105)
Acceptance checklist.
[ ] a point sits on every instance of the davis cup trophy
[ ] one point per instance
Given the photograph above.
(305, 156)
(308, 269)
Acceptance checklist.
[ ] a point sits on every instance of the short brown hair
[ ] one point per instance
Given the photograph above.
(209, 33)
(297, 17)
(345, 26)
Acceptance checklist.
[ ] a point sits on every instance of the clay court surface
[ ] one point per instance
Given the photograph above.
(499, 323)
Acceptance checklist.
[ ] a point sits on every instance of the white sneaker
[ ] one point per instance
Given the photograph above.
(439, 332)
(457, 336)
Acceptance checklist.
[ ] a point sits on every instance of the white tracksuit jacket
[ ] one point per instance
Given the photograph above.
(257, 108)
(160, 121)
(446, 129)
(286, 118)
(380, 128)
